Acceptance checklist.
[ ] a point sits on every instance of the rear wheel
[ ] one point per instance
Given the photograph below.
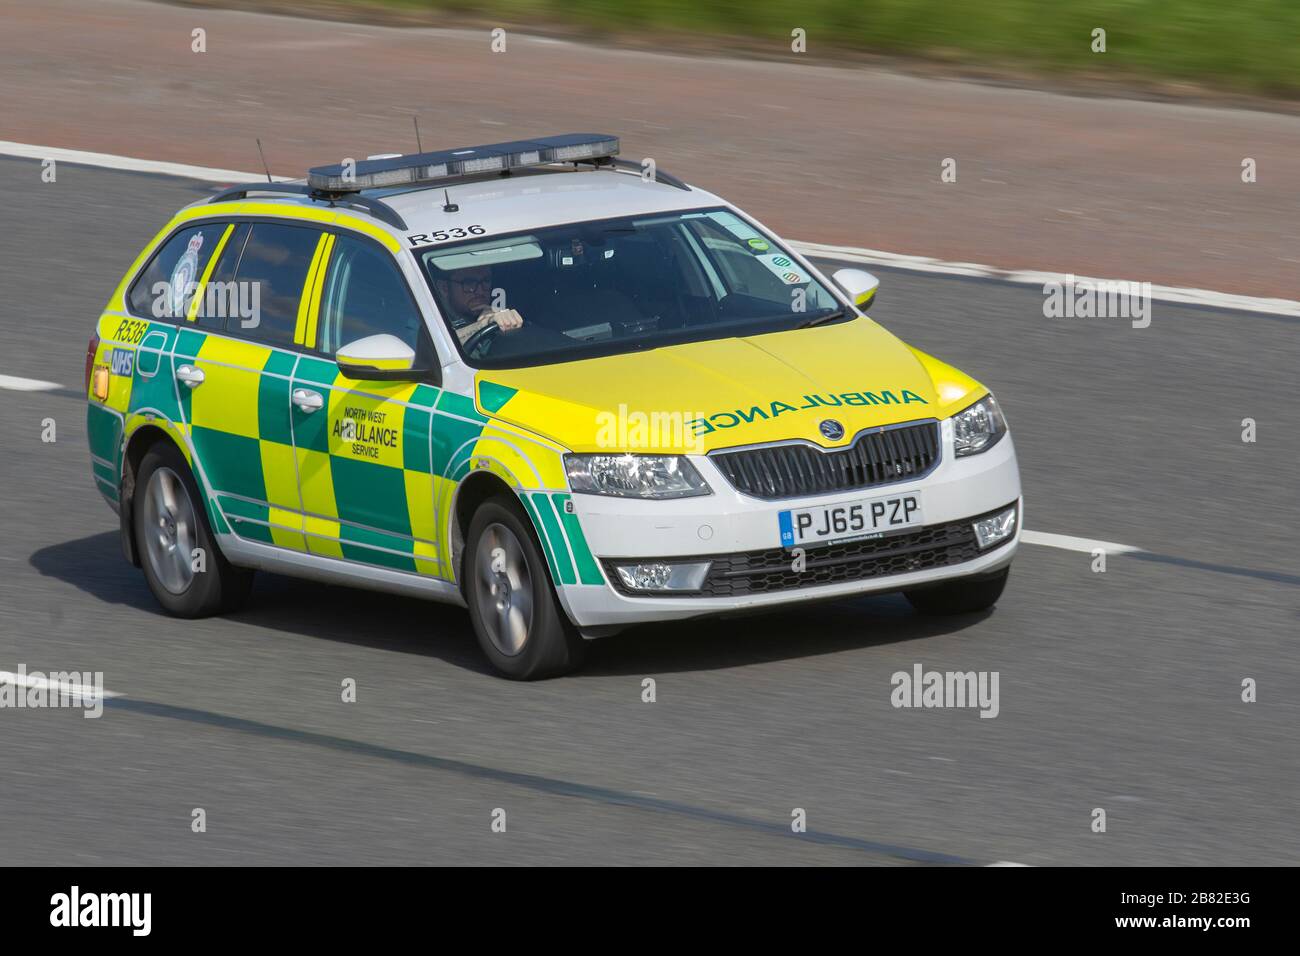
(512, 604)
(185, 570)
(963, 596)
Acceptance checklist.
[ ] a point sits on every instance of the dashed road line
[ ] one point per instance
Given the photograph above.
(1065, 541)
(17, 384)
(65, 688)
(1069, 542)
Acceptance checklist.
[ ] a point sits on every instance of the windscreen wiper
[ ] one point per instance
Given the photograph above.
(821, 319)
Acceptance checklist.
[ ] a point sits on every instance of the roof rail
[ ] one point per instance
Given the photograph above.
(618, 162)
(380, 210)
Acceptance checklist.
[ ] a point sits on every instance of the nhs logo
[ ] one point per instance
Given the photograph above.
(123, 361)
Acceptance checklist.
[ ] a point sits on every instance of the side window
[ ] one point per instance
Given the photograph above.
(222, 297)
(164, 289)
(365, 294)
(273, 269)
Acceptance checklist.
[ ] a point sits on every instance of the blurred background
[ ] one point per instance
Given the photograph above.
(1175, 45)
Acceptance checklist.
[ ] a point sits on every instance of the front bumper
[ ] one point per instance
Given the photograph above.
(741, 534)
(774, 570)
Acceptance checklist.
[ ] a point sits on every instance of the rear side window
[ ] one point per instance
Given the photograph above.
(165, 288)
(365, 294)
(223, 299)
(271, 272)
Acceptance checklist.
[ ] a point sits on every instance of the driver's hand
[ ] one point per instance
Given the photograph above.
(507, 319)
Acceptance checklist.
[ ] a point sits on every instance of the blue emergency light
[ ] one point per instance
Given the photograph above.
(453, 163)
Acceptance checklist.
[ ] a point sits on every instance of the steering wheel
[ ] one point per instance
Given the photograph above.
(481, 338)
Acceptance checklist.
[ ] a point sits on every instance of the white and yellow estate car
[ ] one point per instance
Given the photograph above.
(537, 380)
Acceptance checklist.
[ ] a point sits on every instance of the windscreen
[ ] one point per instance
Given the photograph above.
(618, 285)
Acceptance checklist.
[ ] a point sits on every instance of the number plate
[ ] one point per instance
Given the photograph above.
(853, 519)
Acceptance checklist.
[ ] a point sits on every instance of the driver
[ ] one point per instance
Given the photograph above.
(467, 293)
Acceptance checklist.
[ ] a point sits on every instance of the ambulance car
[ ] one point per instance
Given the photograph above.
(559, 387)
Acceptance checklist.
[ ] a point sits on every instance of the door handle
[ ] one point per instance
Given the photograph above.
(308, 400)
(191, 376)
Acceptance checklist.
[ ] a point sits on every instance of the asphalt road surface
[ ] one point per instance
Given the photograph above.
(1118, 690)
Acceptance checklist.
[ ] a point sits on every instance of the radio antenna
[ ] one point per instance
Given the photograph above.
(263, 155)
(415, 119)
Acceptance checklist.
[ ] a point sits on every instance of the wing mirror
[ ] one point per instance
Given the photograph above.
(379, 358)
(860, 286)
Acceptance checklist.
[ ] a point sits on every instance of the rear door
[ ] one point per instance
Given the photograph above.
(136, 348)
(234, 364)
(160, 298)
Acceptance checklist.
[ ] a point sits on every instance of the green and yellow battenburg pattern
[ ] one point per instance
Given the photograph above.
(368, 478)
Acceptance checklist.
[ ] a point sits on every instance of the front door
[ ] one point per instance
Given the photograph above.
(363, 447)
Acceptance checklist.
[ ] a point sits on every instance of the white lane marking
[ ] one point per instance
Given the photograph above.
(109, 161)
(65, 688)
(1164, 293)
(1064, 541)
(1071, 543)
(27, 384)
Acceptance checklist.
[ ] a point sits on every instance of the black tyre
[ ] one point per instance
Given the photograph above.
(963, 596)
(517, 618)
(185, 570)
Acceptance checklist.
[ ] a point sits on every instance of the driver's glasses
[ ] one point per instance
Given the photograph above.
(469, 285)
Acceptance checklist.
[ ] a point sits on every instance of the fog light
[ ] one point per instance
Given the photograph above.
(662, 576)
(989, 531)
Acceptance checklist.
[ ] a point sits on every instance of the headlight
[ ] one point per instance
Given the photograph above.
(635, 476)
(978, 427)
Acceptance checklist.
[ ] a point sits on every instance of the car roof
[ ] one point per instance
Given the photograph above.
(524, 200)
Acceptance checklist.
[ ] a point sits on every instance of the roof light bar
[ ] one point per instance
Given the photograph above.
(451, 163)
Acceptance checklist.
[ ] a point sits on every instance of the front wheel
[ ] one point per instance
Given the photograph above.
(516, 616)
(185, 570)
(963, 596)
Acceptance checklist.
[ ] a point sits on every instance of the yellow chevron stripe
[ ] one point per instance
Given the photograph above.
(207, 274)
(317, 283)
(304, 300)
